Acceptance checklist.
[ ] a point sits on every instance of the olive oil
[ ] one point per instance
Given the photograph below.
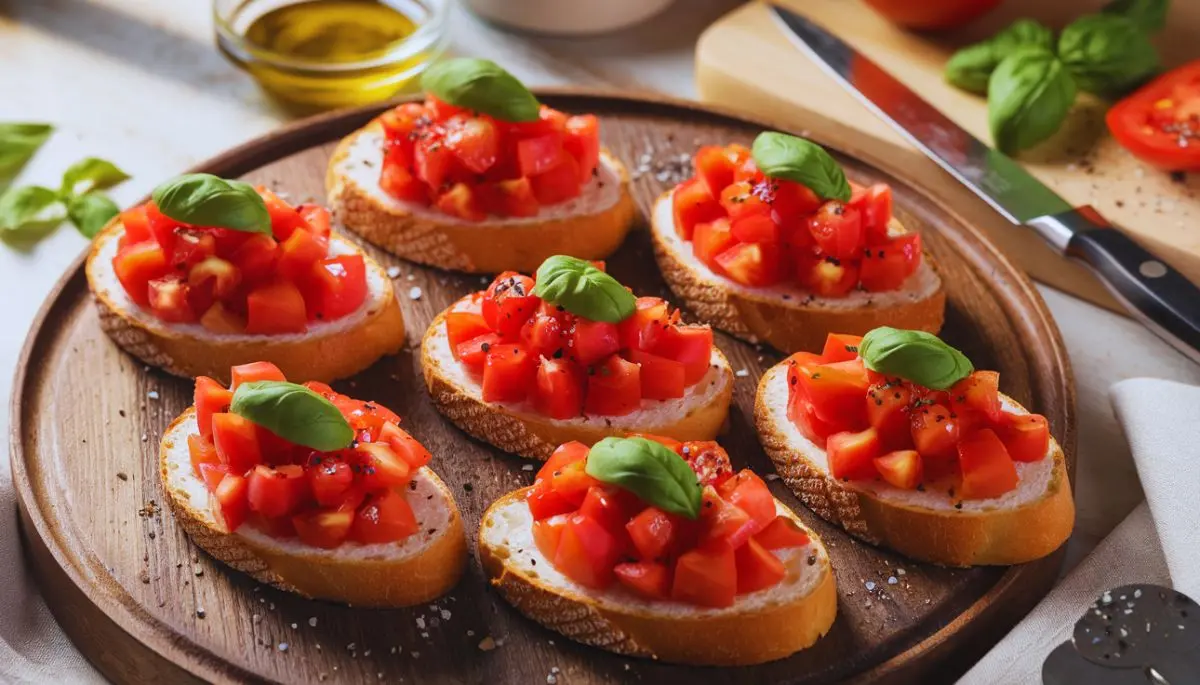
(319, 54)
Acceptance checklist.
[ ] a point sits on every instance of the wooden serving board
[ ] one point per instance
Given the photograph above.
(746, 60)
(128, 586)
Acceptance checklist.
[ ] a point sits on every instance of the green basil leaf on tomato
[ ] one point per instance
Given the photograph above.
(294, 413)
(915, 356)
(1029, 97)
(1150, 15)
(648, 469)
(779, 155)
(18, 142)
(481, 85)
(579, 287)
(971, 67)
(90, 212)
(207, 200)
(1107, 53)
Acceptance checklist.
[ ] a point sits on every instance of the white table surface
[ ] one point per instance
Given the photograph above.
(139, 82)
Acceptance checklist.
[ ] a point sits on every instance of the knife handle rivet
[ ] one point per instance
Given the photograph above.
(1152, 268)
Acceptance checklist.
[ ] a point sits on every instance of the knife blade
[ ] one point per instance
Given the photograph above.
(1153, 292)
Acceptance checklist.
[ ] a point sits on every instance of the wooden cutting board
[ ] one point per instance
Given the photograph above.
(146, 606)
(745, 61)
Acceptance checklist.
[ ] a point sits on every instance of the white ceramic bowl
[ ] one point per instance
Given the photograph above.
(567, 17)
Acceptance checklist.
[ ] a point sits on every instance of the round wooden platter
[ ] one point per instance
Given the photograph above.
(145, 605)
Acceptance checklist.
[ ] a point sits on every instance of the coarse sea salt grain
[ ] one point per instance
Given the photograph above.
(393, 272)
(415, 292)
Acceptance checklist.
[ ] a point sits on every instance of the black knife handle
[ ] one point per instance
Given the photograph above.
(1161, 297)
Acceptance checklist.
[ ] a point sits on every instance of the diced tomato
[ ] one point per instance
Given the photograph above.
(317, 218)
(653, 534)
(726, 525)
(837, 229)
(689, 345)
(256, 258)
(692, 204)
(935, 432)
(324, 529)
(808, 423)
(210, 397)
(661, 378)
(835, 392)
(979, 391)
(275, 492)
(336, 286)
(276, 307)
(473, 353)
(594, 341)
(544, 502)
(433, 161)
(169, 300)
(886, 266)
(875, 206)
(756, 228)
(299, 252)
(473, 140)
(440, 110)
(329, 479)
(611, 507)
(512, 197)
(643, 329)
(255, 371)
(614, 388)
(564, 455)
(711, 239)
(212, 475)
(901, 468)
(275, 450)
(987, 469)
(792, 202)
(405, 445)
(231, 501)
(757, 568)
(558, 392)
(222, 276)
(191, 247)
(714, 168)
(508, 303)
(840, 347)
(463, 202)
(136, 265)
(508, 373)
(1025, 436)
(559, 183)
(236, 440)
(284, 218)
(136, 225)
(851, 455)
(752, 264)
(782, 533)
(462, 326)
(744, 199)
(547, 532)
(220, 319)
(384, 517)
(708, 460)
(648, 579)
(201, 451)
(583, 142)
(887, 412)
(572, 482)
(748, 492)
(381, 468)
(705, 577)
(162, 227)
(539, 154)
(587, 552)
(397, 180)
(544, 335)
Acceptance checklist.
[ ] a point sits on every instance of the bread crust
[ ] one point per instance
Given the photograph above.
(363, 582)
(536, 438)
(996, 537)
(324, 357)
(475, 247)
(772, 632)
(787, 325)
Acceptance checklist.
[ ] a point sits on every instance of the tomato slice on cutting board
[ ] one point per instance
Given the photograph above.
(1160, 123)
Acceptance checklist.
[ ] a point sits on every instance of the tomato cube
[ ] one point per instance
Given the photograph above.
(614, 388)
(756, 228)
(473, 353)
(662, 378)
(888, 406)
(404, 445)
(901, 468)
(508, 373)
(611, 507)
(201, 451)
(840, 347)
(230, 501)
(979, 391)
(276, 492)
(653, 534)
(464, 323)
(398, 180)
(835, 391)
(837, 230)
(508, 303)
(726, 525)
(887, 266)
(648, 579)
(329, 480)
(433, 161)
(255, 371)
(757, 568)
(212, 475)
(711, 239)
(559, 183)
(851, 455)
(987, 469)
(324, 529)
(587, 552)
(594, 341)
(572, 482)
(540, 154)
(752, 264)
(137, 265)
(335, 287)
(689, 345)
(935, 432)
(748, 492)
(276, 307)
(217, 275)
(511, 197)
(544, 502)
(566, 454)
(210, 397)
(691, 205)
(136, 225)
(558, 392)
(782, 533)
(381, 468)
(461, 201)
(1025, 436)
(583, 143)
(236, 440)
(384, 517)
(875, 205)
(544, 335)
(706, 578)
(474, 141)
(299, 252)
(547, 532)
(651, 316)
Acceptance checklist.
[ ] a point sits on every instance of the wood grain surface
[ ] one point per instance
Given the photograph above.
(146, 606)
(737, 63)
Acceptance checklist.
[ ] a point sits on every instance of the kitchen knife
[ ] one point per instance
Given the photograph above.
(1155, 293)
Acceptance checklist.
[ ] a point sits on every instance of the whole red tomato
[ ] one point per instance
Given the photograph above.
(931, 14)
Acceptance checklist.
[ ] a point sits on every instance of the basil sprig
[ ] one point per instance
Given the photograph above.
(481, 85)
(648, 469)
(972, 66)
(1107, 53)
(582, 289)
(207, 200)
(294, 413)
(779, 155)
(915, 356)
(1029, 97)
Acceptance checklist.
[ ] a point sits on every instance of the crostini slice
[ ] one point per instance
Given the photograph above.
(681, 387)
(789, 292)
(400, 553)
(889, 491)
(195, 301)
(770, 595)
(479, 188)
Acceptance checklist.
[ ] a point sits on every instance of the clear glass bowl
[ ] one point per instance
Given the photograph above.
(310, 84)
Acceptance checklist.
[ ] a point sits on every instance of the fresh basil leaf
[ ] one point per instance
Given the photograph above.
(206, 200)
(93, 173)
(294, 413)
(1149, 15)
(1029, 97)
(18, 142)
(779, 155)
(582, 289)
(915, 356)
(481, 85)
(91, 212)
(28, 205)
(1107, 53)
(648, 469)
(971, 67)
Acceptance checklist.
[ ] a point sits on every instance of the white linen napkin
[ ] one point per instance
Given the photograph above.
(1157, 543)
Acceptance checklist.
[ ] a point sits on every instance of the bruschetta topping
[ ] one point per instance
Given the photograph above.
(469, 160)
(270, 274)
(303, 460)
(870, 404)
(750, 220)
(665, 520)
(568, 358)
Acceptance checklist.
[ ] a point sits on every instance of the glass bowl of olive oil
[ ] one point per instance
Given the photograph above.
(321, 54)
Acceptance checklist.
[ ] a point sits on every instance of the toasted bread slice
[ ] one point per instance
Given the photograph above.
(413, 571)
(930, 525)
(328, 350)
(761, 626)
(591, 226)
(784, 316)
(516, 428)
